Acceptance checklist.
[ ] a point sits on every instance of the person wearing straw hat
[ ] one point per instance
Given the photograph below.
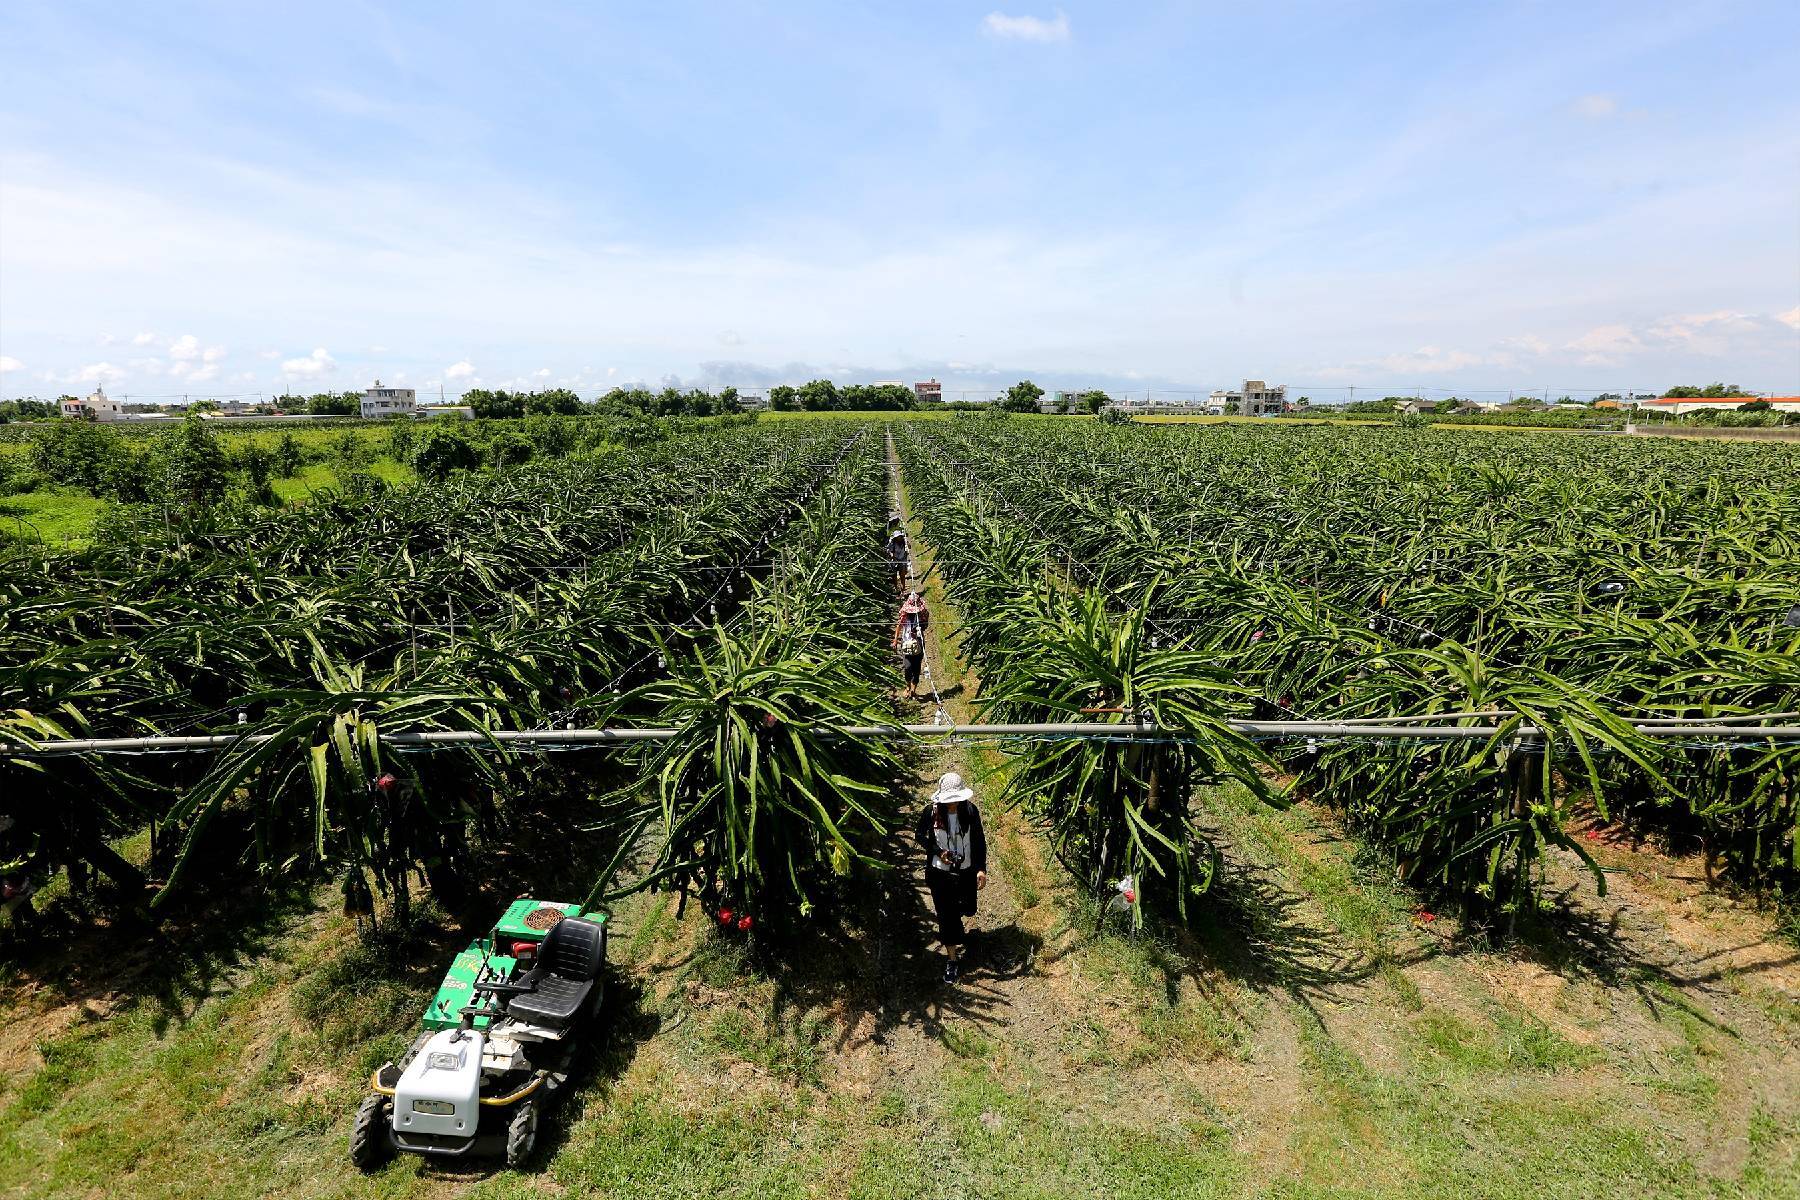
(955, 848)
(909, 640)
(899, 552)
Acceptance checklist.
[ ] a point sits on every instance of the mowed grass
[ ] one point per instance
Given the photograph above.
(59, 516)
(55, 516)
(238, 1080)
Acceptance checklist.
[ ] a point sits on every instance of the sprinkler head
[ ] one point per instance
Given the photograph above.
(1611, 587)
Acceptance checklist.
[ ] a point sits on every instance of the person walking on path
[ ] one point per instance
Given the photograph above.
(909, 640)
(899, 553)
(955, 848)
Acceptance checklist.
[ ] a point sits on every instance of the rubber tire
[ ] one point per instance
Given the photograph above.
(521, 1134)
(372, 1133)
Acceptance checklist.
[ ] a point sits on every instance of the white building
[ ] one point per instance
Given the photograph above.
(381, 401)
(1255, 399)
(97, 407)
(1681, 406)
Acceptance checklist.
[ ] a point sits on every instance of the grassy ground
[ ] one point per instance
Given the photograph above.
(1315, 1035)
(53, 515)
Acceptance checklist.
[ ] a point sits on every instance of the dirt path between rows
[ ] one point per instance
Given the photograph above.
(998, 961)
(1091, 1021)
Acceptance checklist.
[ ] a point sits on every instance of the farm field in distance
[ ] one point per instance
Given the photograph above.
(1553, 954)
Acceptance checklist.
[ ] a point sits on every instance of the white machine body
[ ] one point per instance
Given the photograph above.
(440, 1091)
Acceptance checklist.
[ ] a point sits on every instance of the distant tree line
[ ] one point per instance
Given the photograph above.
(1712, 391)
(822, 395)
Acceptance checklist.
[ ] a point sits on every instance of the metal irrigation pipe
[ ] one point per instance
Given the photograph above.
(1110, 731)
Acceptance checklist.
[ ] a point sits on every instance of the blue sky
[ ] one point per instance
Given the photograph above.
(244, 198)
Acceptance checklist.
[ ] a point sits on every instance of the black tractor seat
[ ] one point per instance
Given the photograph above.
(568, 966)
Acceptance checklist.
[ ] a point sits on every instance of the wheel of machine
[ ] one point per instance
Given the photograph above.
(372, 1134)
(521, 1134)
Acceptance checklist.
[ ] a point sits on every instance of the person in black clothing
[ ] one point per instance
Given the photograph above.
(955, 848)
(909, 640)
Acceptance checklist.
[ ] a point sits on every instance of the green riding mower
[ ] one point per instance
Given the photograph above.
(498, 1041)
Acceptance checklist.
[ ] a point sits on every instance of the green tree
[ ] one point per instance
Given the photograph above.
(289, 456)
(783, 398)
(1094, 401)
(1712, 391)
(625, 402)
(258, 465)
(508, 448)
(491, 405)
(552, 437)
(334, 404)
(76, 453)
(350, 452)
(193, 464)
(555, 401)
(1022, 397)
(820, 395)
(441, 452)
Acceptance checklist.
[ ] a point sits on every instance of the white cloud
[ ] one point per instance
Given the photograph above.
(143, 339)
(184, 347)
(1432, 358)
(731, 337)
(268, 354)
(9, 363)
(461, 370)
(378, 349)
(1605, 345)
(213, 353)
(611, 372)
(1027, 29)
(100, 372)
(317, 363)
(543, 372)
(1719, 334)
(1596, 106)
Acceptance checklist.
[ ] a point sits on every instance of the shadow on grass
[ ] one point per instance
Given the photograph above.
(196, 951)
(877, 967)
(1578, 941)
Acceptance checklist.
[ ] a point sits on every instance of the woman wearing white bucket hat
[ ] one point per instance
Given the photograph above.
(955, 862)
